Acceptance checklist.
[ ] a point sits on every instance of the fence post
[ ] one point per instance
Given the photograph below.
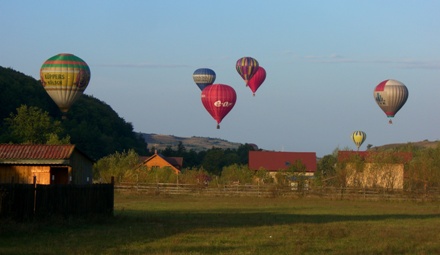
(259, 194)
(35, 193)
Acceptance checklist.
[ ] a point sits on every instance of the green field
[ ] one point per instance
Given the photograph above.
(233, 225)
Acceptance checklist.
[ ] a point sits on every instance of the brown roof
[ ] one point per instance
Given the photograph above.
(275, 160)
(375, 156)
(175, 161)
(35, 151)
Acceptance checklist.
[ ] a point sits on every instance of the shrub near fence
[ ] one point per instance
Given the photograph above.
(24, 201)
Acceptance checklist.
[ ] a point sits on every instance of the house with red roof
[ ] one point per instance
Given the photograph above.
(48, 164)
(369, 169)
(278, 161)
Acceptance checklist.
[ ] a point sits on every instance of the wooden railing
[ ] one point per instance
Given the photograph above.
(278, 191)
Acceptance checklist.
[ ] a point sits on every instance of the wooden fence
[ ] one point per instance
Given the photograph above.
(278, 191)
(26, 201)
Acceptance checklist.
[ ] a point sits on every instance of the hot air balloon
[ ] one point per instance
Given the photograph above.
(64, 77)
(218, 100)
(255, 82)
(390, 95)
(246, 68)
(358, 138)
(203, 77)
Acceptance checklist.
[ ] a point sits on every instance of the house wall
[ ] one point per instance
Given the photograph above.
(81, 170)
(274, 174)
(24, 174)
(376, 175)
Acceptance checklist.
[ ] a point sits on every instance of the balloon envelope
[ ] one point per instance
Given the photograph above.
(246, 68)
(64, 77)
(255, 82)
(358, 138)
(203, 77)
(390, 95)
(218, 100)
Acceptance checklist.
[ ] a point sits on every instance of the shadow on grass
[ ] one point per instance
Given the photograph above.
(255, 219)
(166, 223)
(175, 231)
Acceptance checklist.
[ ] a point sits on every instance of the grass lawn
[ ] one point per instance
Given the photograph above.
(232, 225)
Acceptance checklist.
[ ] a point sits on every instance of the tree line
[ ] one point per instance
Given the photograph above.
(212, 160)
(215, 167)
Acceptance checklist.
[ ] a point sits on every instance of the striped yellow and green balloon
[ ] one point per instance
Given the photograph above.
(358, 138)
(246, 68)
(65, 77)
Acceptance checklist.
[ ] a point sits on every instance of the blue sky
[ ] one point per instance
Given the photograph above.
(323, 60)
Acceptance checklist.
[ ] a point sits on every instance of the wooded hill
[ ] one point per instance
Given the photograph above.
(93, 126)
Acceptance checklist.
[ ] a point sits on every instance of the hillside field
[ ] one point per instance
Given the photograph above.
(196, 143)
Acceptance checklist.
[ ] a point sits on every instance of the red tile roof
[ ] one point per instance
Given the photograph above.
(35, 151)
(275, 160)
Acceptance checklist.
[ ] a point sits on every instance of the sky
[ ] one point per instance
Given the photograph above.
(323, 60)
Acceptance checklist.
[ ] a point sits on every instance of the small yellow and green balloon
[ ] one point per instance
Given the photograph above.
(358, 138)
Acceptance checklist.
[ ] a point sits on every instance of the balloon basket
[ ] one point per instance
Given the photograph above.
(218, 126)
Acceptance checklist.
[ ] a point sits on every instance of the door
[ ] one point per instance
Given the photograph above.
(59, 175)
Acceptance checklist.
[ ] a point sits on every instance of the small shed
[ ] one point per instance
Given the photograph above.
(50, 164)
(158, 160)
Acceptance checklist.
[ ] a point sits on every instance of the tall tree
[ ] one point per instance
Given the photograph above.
(31, 125)
(118, 165)
(213, 161)
(326, 166)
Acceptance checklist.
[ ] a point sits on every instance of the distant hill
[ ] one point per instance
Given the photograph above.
(195, 143)
(397, 146)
